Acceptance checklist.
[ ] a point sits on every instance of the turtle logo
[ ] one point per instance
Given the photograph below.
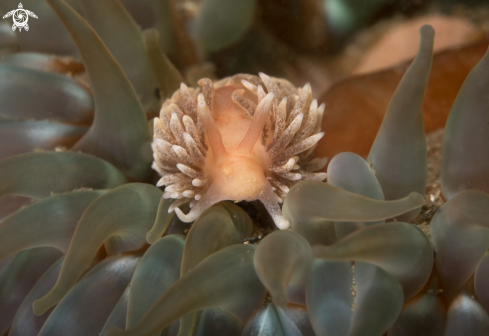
(20, 17)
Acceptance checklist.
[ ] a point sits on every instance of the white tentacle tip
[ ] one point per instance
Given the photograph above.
(200, 98)
(282, 223)
(186, 218)
(321, 176)
(264, 76)
(299, 118)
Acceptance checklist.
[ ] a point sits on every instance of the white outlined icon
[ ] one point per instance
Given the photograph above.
(20, 17)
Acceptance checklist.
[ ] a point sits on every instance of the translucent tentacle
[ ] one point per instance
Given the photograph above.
(352, 173)
(398, 154)
(48, 222)
(329, 297)
(399, 248)
(157, 271)
(379, 301)
(127, 145)
(104, 284)
(283, 262)
(460, 234)
(56, 172)
(127, 212)
(313, 201)
(226, 279)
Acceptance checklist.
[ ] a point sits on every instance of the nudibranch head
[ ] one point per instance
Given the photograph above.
(241, 138)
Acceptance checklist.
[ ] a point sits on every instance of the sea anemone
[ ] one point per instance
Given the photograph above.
(97, 248)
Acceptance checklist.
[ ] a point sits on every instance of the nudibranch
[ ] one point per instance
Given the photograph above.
(241, 138)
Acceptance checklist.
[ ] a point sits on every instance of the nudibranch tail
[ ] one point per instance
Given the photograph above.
(207, 149)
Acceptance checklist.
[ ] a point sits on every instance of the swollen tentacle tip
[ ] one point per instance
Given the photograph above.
(321, 176)
(151, 237)
(198, 182)
(250, 87)
(187, 137)
(264, 105)
(202, 81)
(201, 100)
(314, 105)
(295, 176)
(40, 306)
(298, 119)
(187, 218)
(269, 97)
(282, 223)
(416, 198)
(239, 92)
(427, 33)
(306, 90)
(267, 104)
(263, 77)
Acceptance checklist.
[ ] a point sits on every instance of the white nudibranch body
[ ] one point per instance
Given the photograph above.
(241, 138)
